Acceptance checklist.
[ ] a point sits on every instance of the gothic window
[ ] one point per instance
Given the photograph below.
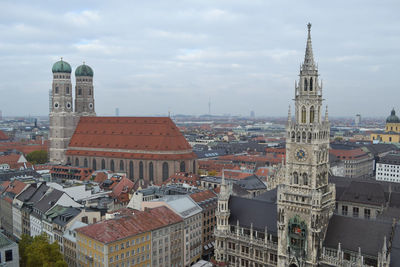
(165, 171)
(103, 164)
(311, 84)
(56, 90)
(194, 166)
(121, 165)
(94, 167)
(141, 170)
(85, 163)
(309, 137)
(298, 137)
(68, 161)
(304, 137)
(182, 166)
(305, 84)
(151, 172)
(305, 179)
(131, 170)
(312, 114)
(77, 162)
(295, 178)
(293, 136)
(90, 91)
(67, 90)
(303, 114)
(79, 91)
(112, 167)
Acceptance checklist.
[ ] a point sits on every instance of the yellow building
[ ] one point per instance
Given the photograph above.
(392, 130)
(123, 241)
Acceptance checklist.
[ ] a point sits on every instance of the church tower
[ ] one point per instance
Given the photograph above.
(84, 94)
(62, 122)
(305, 198)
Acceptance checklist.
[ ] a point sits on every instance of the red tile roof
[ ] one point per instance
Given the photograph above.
(14, 187)
(203, 195)
(129, 133)
(12, 161)
(3, 136)
(130, 225)
(182, 177)
(122, 189)
(24, 147)
(356, 153)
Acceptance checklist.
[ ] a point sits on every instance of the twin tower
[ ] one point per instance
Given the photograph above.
(63, 116)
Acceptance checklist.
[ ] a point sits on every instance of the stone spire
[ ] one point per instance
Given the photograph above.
(309, 63)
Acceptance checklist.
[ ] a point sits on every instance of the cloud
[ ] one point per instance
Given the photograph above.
(82, 18)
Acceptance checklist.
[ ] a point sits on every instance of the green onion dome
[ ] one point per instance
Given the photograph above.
(61, 66)
(83, 70)
(393, 118)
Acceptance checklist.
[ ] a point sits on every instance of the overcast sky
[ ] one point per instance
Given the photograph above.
(151, 56)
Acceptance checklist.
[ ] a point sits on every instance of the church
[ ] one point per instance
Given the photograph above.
(149, 149)
(295, 224)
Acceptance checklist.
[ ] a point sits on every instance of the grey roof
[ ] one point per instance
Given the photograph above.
(395, 253)
(48, 200)
(376, 149)
(269, 196)
(4, 241)
(65, 217)
(184, 205)
(261, 213)
(27, 193)
(39, 193)
(365, 193)
(353, 233)
(392, 159)
(251, 183)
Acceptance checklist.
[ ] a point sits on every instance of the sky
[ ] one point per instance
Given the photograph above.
(151, 57)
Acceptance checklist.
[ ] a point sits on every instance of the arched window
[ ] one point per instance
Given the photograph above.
(295, 178)
(305, 179)
(298, 137)
(77, 162)
(293, 136)
(90, 91)
(85, 163)
(309, 137)
(103, 164)
(131, 170)
(56, 90)
(312, 114)
(140, 170)
(68, 161)
(121, 165)
(79, 91)
(67, 90)
(182, 166)
(303, 114)
(165, 171)
(112, 167)
(311, 84)
(151, 172)
(390, 139)
(194, 166)
(305, 84)
(94, 167)
(304, 137)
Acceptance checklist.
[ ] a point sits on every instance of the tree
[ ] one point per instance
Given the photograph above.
(37, 157)
(38, 252)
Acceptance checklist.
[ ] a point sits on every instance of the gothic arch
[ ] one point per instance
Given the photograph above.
(103, 164)
(182, 166)
(77, 162)
(304, 137)
(293, 136)
(305, 84)
(194, 167)
(305, 179)
(303, 114)
(312, 114)
(141, 170)
(298, 137)
(94, 167)
(151, 172)
(311, 84)
(85, 163)
(121, 165)
(131, 170)
(165, 171)
(295, 178)
(112, 166)
(309, 137)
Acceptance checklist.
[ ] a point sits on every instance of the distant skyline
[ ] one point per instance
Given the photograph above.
(152, 57)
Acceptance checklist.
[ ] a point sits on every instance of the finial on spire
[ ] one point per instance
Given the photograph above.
(309, 63)
(309, 27)
(83, 62)
(61, 58)
(326, 113)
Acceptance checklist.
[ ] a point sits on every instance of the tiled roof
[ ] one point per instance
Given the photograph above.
(130, 225)
(138, 134)
(12, 161)
(3, 136)
(124, 186)
(204, 195)
(24, 147)
(182, 177)
(126, 155)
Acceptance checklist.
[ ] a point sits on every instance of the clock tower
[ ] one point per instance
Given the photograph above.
(305, 198)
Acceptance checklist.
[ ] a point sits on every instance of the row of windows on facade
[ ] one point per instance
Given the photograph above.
(302, 137)
(68, 77)
(308, 84)
(311, 116)
(56, 90)
(165, 167)
(356, 210)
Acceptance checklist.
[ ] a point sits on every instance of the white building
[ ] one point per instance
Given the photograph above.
(388, 168)
(9, 255)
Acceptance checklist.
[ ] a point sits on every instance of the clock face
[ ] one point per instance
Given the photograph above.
(300, 154)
